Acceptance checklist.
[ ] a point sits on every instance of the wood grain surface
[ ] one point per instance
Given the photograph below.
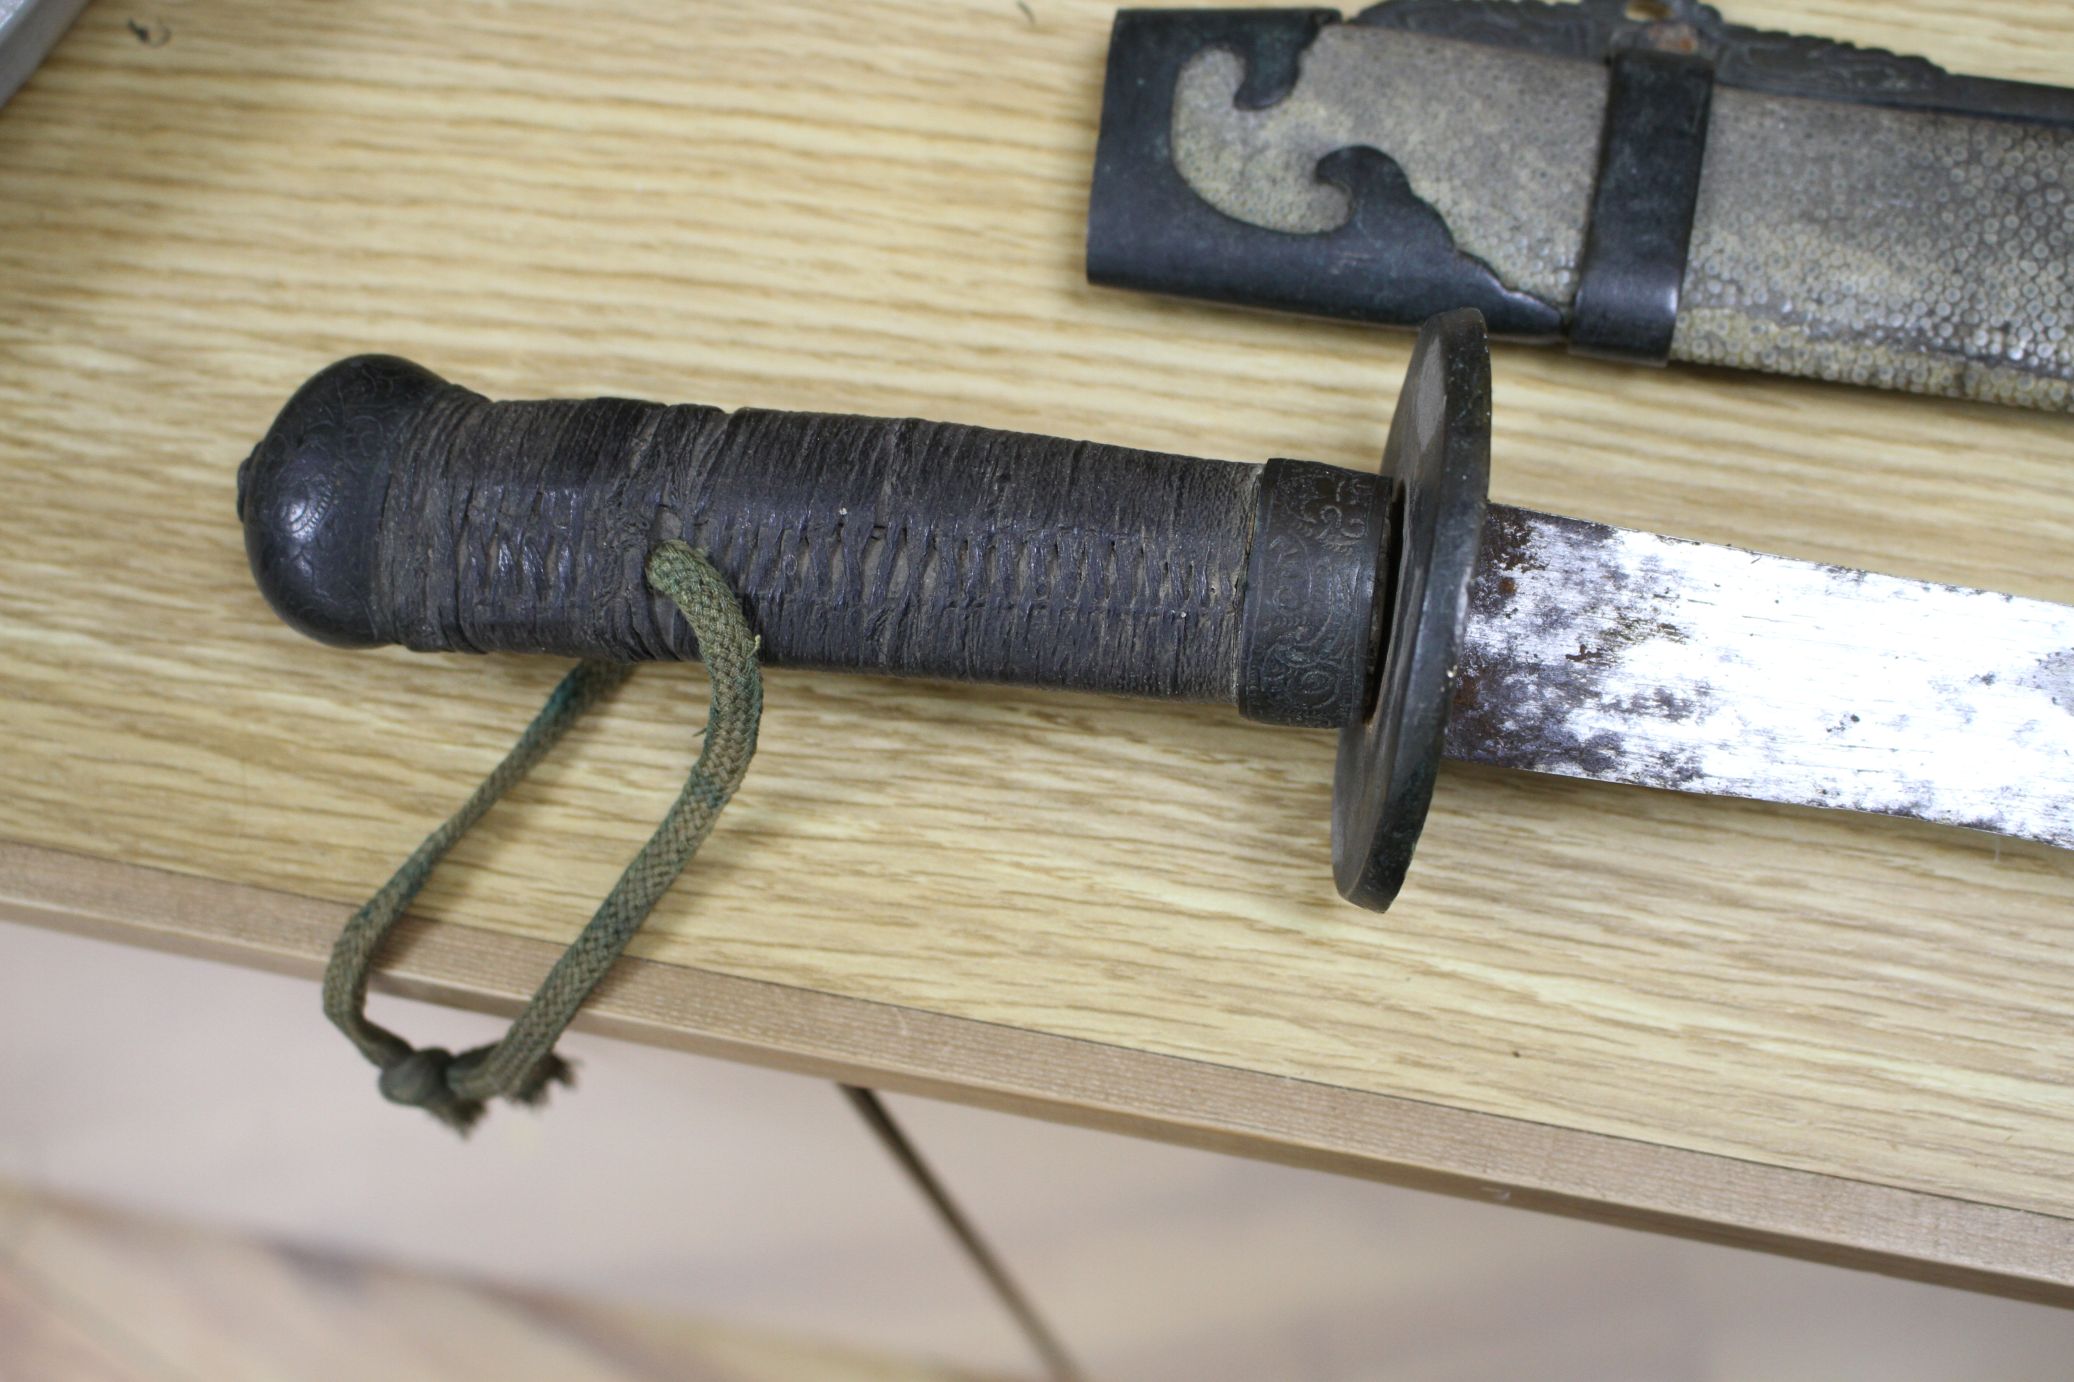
(879, 209)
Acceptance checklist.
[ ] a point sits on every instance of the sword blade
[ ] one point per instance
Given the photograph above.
(1621, 656)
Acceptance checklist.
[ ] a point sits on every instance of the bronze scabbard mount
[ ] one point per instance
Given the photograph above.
(386, 505)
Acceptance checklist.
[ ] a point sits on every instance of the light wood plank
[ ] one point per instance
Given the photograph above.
(883, 212)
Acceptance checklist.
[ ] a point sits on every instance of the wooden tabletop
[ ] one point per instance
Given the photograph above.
(1830, 1035)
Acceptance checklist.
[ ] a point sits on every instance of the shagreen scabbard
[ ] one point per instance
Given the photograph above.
(388, 506)
(1663, 187)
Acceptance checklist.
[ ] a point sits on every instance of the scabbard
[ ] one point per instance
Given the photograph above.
(1684, 189)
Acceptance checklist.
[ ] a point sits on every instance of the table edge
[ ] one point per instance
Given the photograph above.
(1490, 1157)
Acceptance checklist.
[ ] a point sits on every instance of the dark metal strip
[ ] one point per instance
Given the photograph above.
(1628, 280)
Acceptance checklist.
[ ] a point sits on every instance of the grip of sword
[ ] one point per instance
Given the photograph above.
(386, 505)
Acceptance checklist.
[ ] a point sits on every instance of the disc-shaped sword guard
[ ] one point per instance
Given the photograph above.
(1436, 470)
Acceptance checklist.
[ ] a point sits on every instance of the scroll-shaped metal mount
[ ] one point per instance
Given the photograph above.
(1436, 467)
(1393, 261)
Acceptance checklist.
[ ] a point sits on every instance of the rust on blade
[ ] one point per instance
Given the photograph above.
(1521, 716)
(1599, 652)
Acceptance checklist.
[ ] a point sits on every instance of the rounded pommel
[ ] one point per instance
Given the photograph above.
(310, 495)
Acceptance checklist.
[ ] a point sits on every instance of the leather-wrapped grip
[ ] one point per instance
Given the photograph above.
(388, 506)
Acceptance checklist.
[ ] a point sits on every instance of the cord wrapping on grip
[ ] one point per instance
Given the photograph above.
(862, 544)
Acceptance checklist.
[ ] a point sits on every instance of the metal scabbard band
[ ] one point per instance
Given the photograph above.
(1635, 247)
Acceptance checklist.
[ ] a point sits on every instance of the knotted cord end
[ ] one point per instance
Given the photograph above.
(423, 1079)
(431, 1078)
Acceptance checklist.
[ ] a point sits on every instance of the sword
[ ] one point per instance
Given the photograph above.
(1401, 609)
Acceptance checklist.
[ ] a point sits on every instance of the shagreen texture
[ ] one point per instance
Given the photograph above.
(1623, 656)
(1931, 253)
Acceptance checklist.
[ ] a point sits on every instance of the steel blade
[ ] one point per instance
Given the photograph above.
(1622, 656)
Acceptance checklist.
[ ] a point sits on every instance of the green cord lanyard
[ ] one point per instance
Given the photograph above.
(522, 1065)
